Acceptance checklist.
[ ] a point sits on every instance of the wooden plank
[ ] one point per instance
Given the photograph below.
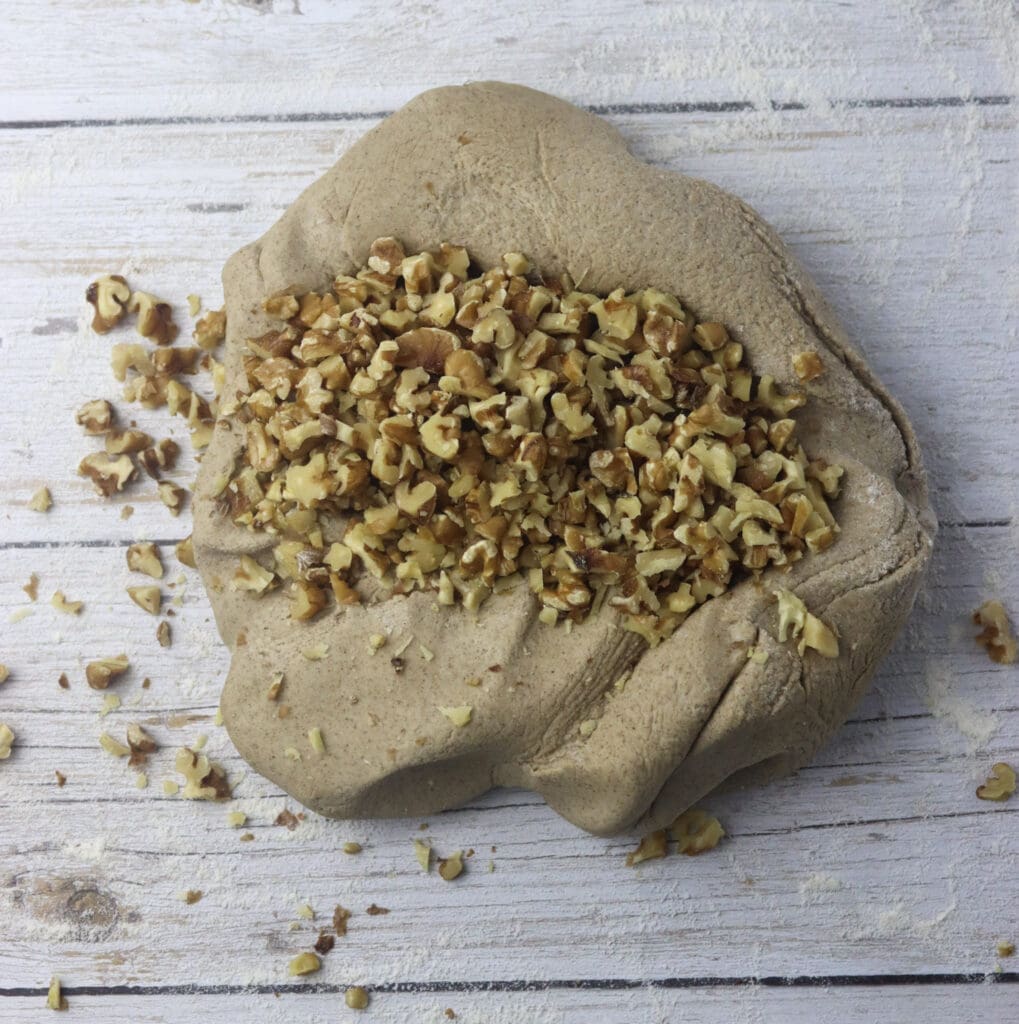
(260, 56)
(892, 236)
(856, 1004)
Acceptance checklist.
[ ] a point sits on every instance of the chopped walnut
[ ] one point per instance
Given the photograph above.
(55, 999)
(324, 943)
(108, 296)
(460, 715)
(651, 847)
(423, 853)
(356, 998)
(1000, 785)
(62, 604)
(696, 831)
(31, 588)
(41, 500)
(108, 475)
(1005, 949)
(144, 558)
(163, 634)
(997, 636)
(162, 455)
(99, 674)
(808, 366)
(211, 329)
(141, 744)
(316, 741)
(191, 896)
(304, 963)
(795, 621)
(352, 848)
(6, 741)
(95, 417)
(467, 431)
(149, 598)
(155, 318)
(185, 552)
(172, 496)
(451, 867)
(5, 673)
(340, 918)
(112, 746)
(203, 780)
(129, 440)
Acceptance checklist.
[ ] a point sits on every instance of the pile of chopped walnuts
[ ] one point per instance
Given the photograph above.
(442, 430)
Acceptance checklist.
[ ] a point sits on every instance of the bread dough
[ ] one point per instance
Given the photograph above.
(501, 168)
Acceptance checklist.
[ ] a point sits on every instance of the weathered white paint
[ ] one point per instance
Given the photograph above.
(876, 860)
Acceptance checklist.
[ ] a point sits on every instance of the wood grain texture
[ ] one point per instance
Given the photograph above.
(874, 879)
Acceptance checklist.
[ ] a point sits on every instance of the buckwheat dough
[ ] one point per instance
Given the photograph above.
(501, 168)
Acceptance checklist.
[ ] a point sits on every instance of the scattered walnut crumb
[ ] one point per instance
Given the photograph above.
(211, 329)
(155, 318)
(63, 682)
(426, 652)
(340, 918)
(126, 442)
(186, 553)
(141, 744)
(356, 998)
(304, 963)
(203, 780)
(248, 837)
(376, 642)
(163, 634)
(141, 780)
(997, 637)
(108, 296)
(55, 999)
(451, 867)
(32, 587)
(162, 455)
(192, 896)
(653, 846)
(146, 683)
(5, 673)
(62, 604)
(99, 674)
(696, 831)
(324, 943)
(460, 715)
(374, 910)
(795, 621)
(287, 819)
(449, 1013)
(144, 558)
(276, 687)
(108, 475)
(194, 304)
(149, 598)
(808, 366)
(170, 788)
(352, 848)
(423, 853)
(127, 511)
(1006, 949)
(1000, 784)
(236, 819)
(284, 712)
(473, 681)
(172, 496)
(41, 500)
(305, 912)
(112, 746)
(6, 741)
(316, 652)
(110, 703)
(61, 779)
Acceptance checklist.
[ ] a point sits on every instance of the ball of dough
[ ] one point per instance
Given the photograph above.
(501, 168)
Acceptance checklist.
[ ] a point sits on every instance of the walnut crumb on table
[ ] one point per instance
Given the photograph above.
(997, 636)
(1000, 785)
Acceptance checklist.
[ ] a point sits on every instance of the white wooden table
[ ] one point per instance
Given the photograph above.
(156, 138)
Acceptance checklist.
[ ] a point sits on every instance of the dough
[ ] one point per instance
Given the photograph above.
(501, 168)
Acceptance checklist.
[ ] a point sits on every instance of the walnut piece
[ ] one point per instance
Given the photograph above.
(62, 604)
(696, 831)
(653, 846)
(303, 964)
(99, 674)
(1000, 785)
(149, 598)
(95, 417)
(55, 999)
(795, 621)
(997, 636)
(172, 496)
(108, 475)
(186, 553)
(108, 296)
(423, 853)
(476, 433)
(41, 500)
(155, 318)
(203, 780)
(808, 366)
(144, 558)
(5, 673)
(460, 715)
(6, 741)
(211, 329)
(356, 998)
(451, 867)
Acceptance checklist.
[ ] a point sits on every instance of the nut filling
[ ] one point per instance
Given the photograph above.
(441, 430)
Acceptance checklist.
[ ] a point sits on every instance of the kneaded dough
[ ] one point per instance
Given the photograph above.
(501, 168)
